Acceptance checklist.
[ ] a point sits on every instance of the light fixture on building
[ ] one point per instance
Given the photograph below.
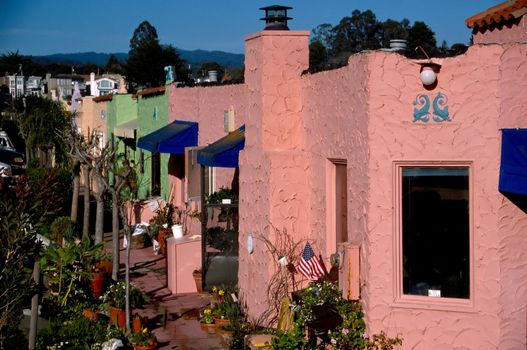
(276, 17)
(427, 75)
(429, 70)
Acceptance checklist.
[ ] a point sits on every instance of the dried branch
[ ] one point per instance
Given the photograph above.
(282, 282)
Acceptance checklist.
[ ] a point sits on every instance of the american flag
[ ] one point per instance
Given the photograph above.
(310, 266)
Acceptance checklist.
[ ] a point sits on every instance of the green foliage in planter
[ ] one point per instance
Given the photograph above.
(222, 193)
(349, 334)
(292, 340)
(78, 333)
(116, 296)
(67, 268)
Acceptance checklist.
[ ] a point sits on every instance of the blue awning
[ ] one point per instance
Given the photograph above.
(513, 170)
(172, 138)
(224, 152)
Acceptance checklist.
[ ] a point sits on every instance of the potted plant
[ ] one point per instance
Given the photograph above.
(161, 223)
(207, 321)
(143, 340)
(115, 297)
(219, 306)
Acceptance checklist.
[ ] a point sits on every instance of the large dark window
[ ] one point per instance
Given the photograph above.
(435, 231)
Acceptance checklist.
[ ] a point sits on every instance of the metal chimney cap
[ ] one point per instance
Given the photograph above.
(276, 17)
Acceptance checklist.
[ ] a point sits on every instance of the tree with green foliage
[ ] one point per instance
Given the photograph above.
(147, 58)
(114, 66)
(393, 29)
(420, 35)
(14, 63)
(43, 124)
(24, 209)
(317, 55)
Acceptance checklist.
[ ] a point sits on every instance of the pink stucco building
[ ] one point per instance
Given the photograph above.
(366, 154)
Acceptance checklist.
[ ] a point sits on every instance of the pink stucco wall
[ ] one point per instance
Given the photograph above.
(206, 105)
(363, 114)
(515, 31)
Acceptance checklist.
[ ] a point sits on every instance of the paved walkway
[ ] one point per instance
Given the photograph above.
(173, 318)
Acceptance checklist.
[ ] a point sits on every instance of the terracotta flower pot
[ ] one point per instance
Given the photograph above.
(198, 279)
(161, 238)
(97, 283)
(208, 327)
(221, 321)
(138, 323)
(146, 347)
(89, 314)
(117, 316)
(106, 266)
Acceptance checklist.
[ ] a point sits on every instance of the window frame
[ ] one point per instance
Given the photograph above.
(419, 301)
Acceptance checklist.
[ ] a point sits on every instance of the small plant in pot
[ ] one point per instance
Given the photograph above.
(143, 340)
(115, 297)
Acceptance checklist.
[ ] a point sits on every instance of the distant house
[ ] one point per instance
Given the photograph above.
(105, 85)
(34, 86)
(16, 85)
(60, 86)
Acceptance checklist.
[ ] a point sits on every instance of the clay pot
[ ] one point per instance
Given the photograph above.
(117, 317)
(106, 266)
(221, 321)
(161, 238)
(90, 315)
(198, 279)
(208, 327)
(146, 347)
(138, 324)
(97, 281)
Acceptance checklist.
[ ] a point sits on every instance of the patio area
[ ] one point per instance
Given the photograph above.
(173, 318)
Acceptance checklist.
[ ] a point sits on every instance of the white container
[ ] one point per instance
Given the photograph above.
(177, 231)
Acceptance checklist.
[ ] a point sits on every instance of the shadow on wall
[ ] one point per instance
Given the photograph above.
(520, 200)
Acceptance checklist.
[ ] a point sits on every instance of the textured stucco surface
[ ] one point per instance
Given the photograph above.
(89, 116)
(511, 32)
(477, 85)
(148, 124)
(206, 105)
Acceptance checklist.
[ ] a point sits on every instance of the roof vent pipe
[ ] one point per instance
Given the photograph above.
(398, 44)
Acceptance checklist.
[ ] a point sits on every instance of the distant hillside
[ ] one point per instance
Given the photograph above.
(194, 57)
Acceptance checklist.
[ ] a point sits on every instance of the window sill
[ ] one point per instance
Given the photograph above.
(435, 304)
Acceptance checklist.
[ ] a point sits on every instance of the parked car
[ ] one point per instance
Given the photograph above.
(5, 142)
(11, 163)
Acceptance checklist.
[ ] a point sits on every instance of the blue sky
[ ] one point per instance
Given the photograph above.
(41, 27)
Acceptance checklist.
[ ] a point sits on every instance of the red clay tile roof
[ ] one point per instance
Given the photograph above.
(502, 12)
(103, 98)
(150, 91)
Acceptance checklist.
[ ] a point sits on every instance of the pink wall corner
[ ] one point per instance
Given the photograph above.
(272, 165)
(511, 32)
(513, 221)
